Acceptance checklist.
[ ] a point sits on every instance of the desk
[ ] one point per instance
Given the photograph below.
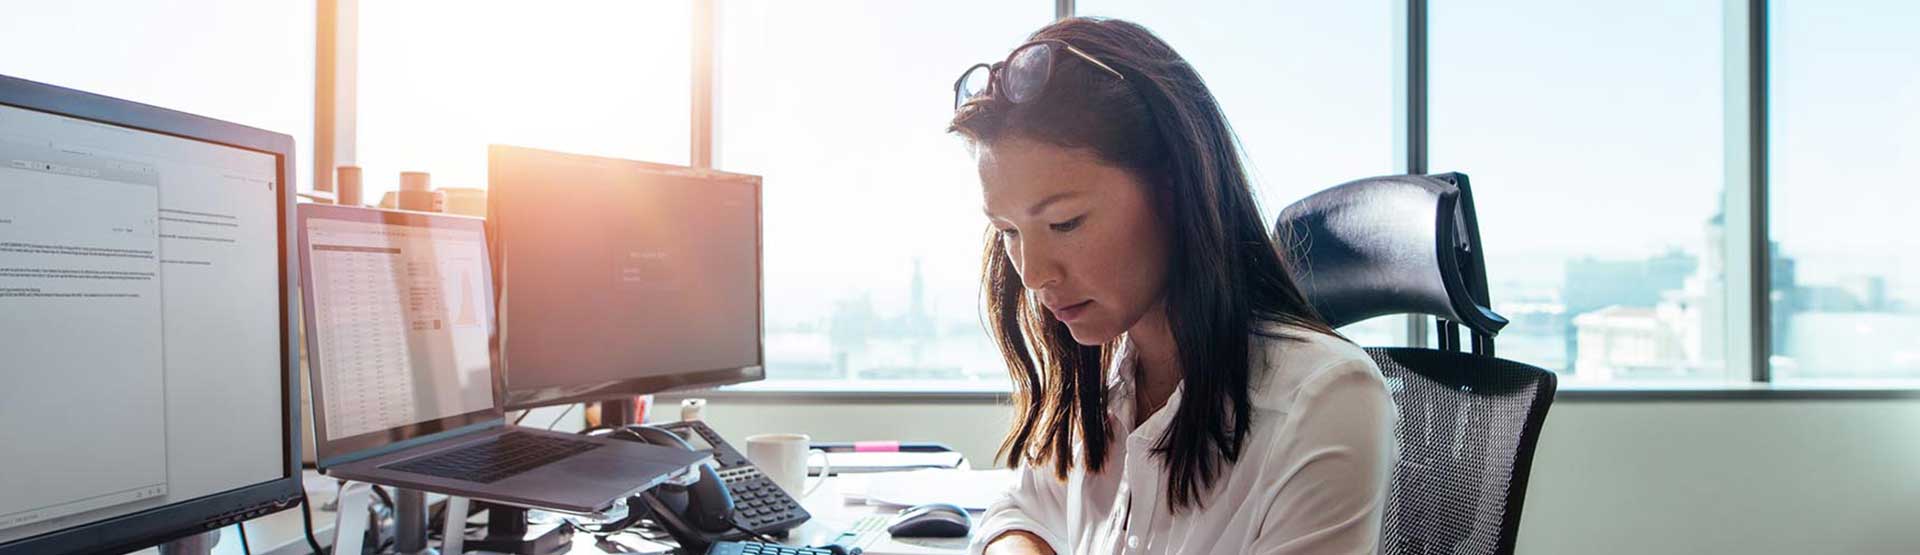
(283, 534)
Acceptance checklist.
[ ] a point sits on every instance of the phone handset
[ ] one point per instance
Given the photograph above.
(695, 515)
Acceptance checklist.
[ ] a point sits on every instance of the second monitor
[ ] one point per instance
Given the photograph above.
(619, 278)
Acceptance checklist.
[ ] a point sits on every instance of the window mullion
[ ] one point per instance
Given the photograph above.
(1745, 236)
(1410, 115)
(706, 44)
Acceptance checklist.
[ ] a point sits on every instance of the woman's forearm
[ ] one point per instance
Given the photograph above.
(1018, 542)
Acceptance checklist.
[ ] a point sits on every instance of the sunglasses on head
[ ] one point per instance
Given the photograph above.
(1022, 76)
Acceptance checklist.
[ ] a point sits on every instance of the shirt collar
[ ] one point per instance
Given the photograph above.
(1120, 370)
(1120, 392)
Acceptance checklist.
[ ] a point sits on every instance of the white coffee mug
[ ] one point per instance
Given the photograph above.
(783, 458)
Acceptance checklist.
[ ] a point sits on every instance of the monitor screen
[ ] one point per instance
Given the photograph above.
(400, 312)
(142, 317)
(623, 278)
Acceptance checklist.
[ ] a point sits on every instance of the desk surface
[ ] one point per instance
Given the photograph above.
(283, 534)
(832, 514)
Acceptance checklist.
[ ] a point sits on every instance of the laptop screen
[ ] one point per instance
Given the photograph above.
(400, 322)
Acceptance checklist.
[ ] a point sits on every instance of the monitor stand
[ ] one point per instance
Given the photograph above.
(410, 523)
(350, 519)
(197, 544)
(508, 532)
(350, 516)
(619, 412)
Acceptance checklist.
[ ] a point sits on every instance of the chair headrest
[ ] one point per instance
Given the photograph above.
(1398, 244)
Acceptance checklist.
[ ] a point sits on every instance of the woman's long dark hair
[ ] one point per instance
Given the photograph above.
(1224, 277)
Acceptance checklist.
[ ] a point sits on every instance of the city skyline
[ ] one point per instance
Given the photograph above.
(1661, 308)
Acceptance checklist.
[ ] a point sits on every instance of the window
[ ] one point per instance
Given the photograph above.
(236, 60)
(441, 79)
(1593, 134)
(1311, 99)
(1596, 137)
(873, 228)
(1845, 118)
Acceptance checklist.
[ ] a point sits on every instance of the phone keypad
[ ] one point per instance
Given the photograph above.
(759, 504)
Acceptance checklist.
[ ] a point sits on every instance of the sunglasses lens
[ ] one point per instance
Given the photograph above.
(975, 82)
(1027, 75)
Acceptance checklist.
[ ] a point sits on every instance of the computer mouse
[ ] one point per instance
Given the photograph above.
(932, 520)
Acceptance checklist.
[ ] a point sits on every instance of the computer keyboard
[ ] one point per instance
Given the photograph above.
(864, 533)
(495, 459)
(757, 548)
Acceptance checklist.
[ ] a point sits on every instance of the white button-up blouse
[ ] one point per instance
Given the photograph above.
(1312, 478)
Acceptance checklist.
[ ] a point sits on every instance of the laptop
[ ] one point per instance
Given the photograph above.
(400, 337)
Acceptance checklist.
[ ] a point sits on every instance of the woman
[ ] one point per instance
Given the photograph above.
(1174, 392)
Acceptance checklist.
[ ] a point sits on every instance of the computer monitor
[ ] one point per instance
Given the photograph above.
(148, 390)
(619, 278)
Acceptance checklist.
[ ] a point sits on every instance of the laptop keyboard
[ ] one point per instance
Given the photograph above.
(495, 459)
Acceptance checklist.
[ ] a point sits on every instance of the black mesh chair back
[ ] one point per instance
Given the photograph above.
(1410, 244)
(1468, 424)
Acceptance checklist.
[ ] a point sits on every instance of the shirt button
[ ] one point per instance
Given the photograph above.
(1133, 542)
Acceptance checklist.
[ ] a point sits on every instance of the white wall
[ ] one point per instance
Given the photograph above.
(1726, 477)
(1777, 476)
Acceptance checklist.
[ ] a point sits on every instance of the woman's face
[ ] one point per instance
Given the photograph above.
(1082, 234)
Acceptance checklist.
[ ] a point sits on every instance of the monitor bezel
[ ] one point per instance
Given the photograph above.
(332, 452)
(177, 520)
(498, 159)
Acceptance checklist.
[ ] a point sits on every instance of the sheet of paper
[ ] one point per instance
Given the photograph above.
(970, 489)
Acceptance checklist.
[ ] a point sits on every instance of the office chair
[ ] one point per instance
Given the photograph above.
(1410, 244)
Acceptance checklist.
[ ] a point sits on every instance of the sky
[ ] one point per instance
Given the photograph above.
(1846, 137)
